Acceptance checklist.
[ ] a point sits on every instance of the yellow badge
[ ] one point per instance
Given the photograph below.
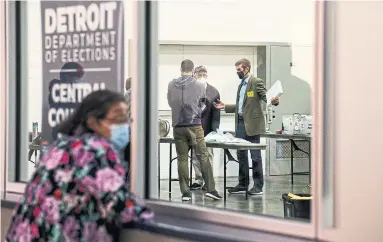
(250, 94)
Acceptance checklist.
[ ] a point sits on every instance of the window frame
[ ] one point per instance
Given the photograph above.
(8, 123)
(14, 95)
(263, 223)
(146, 44)
(3, 97)
(326, 108)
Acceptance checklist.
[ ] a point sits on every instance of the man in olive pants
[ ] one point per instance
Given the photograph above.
(186, 99)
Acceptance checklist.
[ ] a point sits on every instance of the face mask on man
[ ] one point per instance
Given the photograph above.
(241, 74)
(203, 80)
(120, 135)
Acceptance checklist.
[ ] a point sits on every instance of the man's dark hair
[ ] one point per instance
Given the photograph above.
(200, 69)
(187, 66)
(244, 62)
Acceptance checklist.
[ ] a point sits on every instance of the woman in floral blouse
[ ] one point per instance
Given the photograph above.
(79, 190)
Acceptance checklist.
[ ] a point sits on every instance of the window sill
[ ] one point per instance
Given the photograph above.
(192, 230)
(187, 229)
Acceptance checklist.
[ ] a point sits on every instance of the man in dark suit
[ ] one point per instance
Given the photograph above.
(249, 124)
(210, 122)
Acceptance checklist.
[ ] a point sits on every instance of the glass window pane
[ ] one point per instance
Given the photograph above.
(214, 71)
(221, 46)
(64, 55)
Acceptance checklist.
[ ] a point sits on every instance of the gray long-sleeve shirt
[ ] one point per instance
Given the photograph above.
(186, 98)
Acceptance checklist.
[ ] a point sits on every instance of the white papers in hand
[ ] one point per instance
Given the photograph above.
(274, 92)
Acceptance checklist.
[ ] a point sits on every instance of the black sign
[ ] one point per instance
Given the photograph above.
(83, 51)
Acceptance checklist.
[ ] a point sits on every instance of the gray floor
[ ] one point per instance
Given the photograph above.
(270, 203)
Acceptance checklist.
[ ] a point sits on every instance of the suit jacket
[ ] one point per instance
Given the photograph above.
(252, 109)
(211, 116)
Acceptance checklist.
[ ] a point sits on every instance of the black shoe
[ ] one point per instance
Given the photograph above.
(237, 189)
(195, 186)
(186, 196)
(255, 191)
(204, 188)
(213, 194)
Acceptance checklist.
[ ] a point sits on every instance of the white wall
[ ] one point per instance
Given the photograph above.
(243, 21)
(34, 71)
(201, 21)
(240, 22)
(237, 21)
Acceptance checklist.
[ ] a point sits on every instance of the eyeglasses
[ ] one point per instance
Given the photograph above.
(119, 120)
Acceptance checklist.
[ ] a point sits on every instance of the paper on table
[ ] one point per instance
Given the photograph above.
(274, 92)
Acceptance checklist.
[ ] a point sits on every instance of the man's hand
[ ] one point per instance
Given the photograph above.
(219, 104)
(275, 101)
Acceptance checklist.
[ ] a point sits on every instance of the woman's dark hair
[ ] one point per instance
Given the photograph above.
(96, 104)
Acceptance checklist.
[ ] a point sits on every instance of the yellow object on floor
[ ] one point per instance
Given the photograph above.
(295, 197)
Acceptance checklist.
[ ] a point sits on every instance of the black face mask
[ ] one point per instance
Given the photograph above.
(241, 74)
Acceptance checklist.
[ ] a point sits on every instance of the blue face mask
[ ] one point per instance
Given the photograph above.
(120, 135)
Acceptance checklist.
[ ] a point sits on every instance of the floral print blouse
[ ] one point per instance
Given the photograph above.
(78, 193)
